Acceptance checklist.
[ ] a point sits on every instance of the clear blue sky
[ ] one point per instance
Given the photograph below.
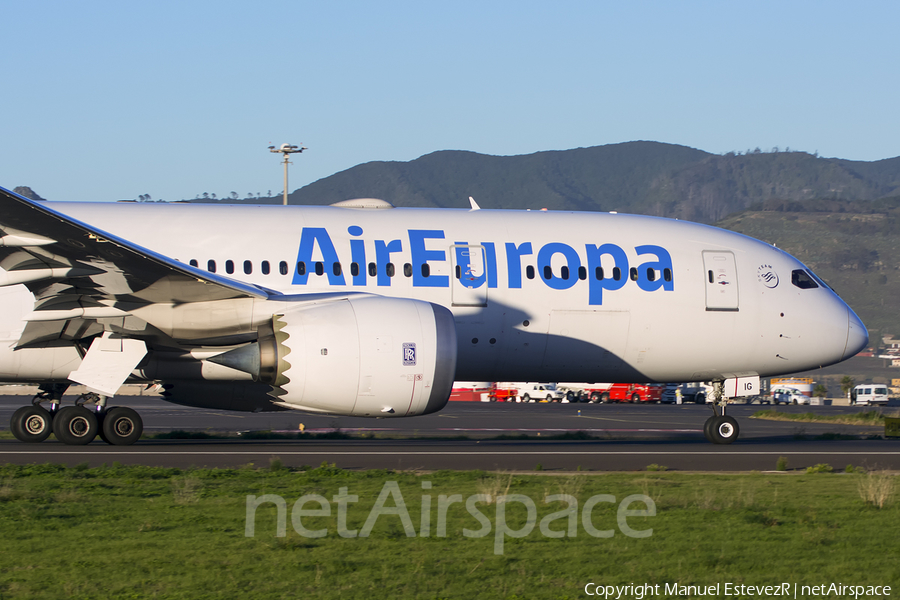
(109, 100)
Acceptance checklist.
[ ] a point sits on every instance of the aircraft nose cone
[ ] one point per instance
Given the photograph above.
(857, 335)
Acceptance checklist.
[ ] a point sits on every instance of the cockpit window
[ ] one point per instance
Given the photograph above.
(820, 282)
(803, 280)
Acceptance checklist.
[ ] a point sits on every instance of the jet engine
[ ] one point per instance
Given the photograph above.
(363, 355)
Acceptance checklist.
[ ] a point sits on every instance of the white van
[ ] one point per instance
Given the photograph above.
(868, 394)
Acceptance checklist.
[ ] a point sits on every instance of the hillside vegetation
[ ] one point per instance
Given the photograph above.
(853, 247)
(639, 177)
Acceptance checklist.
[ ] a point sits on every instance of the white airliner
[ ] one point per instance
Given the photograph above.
(364, 309)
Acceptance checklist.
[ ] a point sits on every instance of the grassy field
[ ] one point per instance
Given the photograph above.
(866, 417)
(141, 532)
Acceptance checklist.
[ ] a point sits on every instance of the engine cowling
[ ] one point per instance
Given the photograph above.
(367, 356)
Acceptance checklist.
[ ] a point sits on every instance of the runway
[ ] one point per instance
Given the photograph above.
(626, 438)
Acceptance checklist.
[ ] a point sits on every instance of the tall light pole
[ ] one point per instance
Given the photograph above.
(286, 150)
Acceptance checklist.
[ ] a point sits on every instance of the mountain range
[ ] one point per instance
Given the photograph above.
(638, 177)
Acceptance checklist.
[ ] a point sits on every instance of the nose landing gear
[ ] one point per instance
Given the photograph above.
(720, 428)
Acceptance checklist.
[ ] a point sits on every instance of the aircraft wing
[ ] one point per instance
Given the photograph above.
(66, 263)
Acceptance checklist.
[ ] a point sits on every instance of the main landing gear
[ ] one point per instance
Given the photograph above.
(75, 425)
(719, 428)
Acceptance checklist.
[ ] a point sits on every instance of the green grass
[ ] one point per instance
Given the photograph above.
(143, 532)
(866, 417)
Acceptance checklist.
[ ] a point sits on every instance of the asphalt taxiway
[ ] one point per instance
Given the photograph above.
(625, 437)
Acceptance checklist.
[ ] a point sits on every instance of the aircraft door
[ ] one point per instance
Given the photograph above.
(721, 280)
(469, 281)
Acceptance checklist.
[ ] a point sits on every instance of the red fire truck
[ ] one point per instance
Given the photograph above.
(619, 392)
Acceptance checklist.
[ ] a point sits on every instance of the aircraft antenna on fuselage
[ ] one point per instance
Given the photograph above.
(474, 204)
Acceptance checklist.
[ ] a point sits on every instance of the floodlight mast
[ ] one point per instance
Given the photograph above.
(286, 150)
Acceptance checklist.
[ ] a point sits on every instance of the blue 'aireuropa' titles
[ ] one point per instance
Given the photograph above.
(653, 274)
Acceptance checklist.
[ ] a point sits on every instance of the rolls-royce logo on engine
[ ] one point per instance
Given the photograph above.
(409, 354)
(767, 276)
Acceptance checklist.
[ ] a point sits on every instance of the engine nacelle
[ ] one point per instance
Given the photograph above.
(360, 355)
(366, 356)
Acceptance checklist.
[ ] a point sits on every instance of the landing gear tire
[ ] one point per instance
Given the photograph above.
(707, 429)
(75, 425)
(100, 418)
(121, 426)
(723, 429)
(31, 424)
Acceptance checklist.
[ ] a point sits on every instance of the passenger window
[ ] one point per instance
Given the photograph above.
(426, 270)
(651, 274)
(632, 273)
(194, 262)
(529, 272)
(354, 269)
(565, 272)
(248, 267)
(407, 270)
(617, 273)
(582, 273)
(229, 266)
(282, 268)
(389, 269)
(458, 272)
(211, 266)
(301, 268)
(264, 267)
(548, 272)
(667, 274)
(373, 269)
(802, 280)
(336, 269)
(598, 273)
(320, 268)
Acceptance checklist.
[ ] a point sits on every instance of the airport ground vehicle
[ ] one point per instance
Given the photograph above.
(471, 391)
(617, 392)
(670, 394)
(526, 392)
(699, 393)
(786, 395)
(869, 394)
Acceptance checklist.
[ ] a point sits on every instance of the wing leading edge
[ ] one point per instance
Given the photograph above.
(79, 274)
(55, 256)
